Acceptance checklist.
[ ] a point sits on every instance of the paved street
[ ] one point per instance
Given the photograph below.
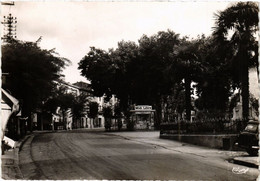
(84, 154)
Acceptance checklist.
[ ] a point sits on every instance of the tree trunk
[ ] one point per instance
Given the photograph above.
(243, 58)
(63, 119)
(245, 93)
(188, 98)
(158, 114)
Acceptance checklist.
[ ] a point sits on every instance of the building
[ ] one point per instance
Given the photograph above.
(143, 117)
(77, 89)
(64, 119)
(12, 125)
(102, 103)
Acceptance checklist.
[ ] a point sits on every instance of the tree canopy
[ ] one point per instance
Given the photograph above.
(236, 29)
(159, 69)
(31, 72)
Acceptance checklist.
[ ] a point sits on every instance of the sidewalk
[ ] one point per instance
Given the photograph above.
(10, 162)
(150, 137)
(10, 168)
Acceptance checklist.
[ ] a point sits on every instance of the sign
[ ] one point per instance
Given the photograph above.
(143, 108)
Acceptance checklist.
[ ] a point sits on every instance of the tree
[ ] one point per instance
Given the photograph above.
(96, 66)
(187, 66)
(107, 112)
(79, 106)
(118, 115)
(213, 86)
(154, 58)
(151, 80)
(66, 101)
(62, 99)
(122, 58)
(240, 22)
(32, 72)
(174, 103)
(93, 110)
(132, 72)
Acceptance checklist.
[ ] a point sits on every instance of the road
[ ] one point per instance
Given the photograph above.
(84, 154)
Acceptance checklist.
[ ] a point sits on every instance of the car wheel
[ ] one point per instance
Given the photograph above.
(252, 152)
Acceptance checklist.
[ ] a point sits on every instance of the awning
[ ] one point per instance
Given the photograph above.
(9, 99)
(9, 141)
(142, 111)
(9, 107)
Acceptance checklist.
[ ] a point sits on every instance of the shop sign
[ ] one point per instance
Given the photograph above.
(143, 108)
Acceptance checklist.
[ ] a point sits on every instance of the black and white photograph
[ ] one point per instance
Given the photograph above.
(130, 90)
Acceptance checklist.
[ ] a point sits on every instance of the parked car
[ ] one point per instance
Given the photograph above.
(248, 138)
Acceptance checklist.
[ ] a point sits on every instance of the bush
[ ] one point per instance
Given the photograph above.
(119, 124)
(130, 125)
(108, 124)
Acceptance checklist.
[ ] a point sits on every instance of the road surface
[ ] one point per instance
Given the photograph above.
(84, 154)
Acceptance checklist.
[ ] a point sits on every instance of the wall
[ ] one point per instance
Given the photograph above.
(213, 141)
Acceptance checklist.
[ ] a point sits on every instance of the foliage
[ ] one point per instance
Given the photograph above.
(188, 66)
(79, 105)
(119, 124)
(254, 102)
(213, 86)
(60, 99)
(233, 101)
(149, 78)
(174, 103)
(32, 72)
(107, 112)
(96, 65)
(108, 124)
(214, 126)
(240, 22)
(133, 72)
(118, 111)
(162, 70)
(93, 109)
(123, 57)
(130, 125)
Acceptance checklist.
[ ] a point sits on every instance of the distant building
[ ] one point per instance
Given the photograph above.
(85, 122)
(100, 121)
(77, 89)
(59, 120)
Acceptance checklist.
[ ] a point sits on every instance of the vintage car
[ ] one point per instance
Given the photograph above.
(248, 138)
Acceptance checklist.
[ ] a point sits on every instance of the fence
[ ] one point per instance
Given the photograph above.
(216, 126)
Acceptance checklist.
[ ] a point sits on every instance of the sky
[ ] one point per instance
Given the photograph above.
(71, 27)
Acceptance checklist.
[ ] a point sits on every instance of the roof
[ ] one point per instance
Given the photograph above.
(8, 99)
(77, 85)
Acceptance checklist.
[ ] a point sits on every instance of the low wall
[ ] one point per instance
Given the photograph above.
(225, 142)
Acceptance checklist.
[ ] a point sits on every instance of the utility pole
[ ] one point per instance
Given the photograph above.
(9, 24)
(9, 27)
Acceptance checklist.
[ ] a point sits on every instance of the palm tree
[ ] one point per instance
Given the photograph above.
(236, 27)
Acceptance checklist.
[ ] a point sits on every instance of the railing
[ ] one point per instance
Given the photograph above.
(216, 126)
